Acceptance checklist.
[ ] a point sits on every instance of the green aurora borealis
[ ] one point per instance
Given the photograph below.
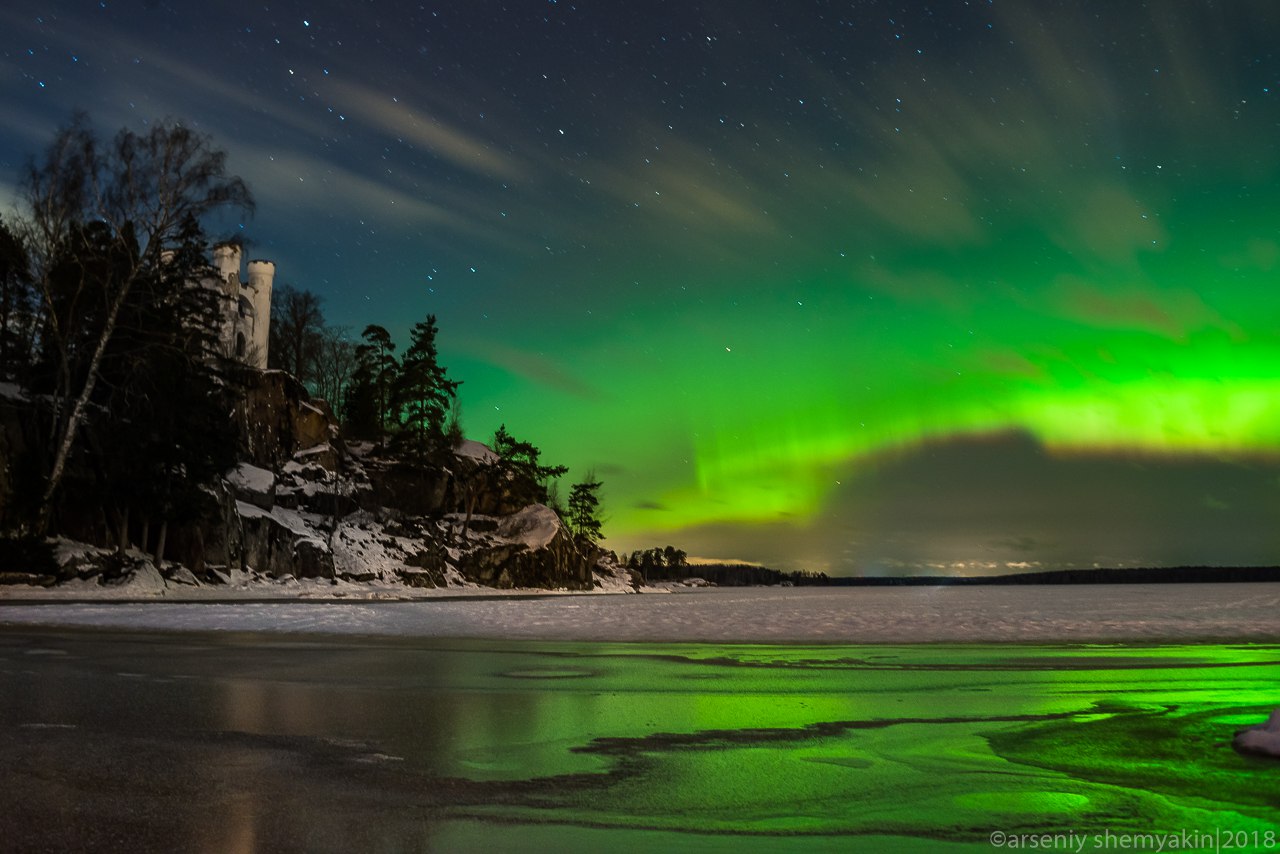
(958, 288)
(1127, 313)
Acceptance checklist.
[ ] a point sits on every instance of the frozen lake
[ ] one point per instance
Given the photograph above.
(1119, 612)
(227, 741)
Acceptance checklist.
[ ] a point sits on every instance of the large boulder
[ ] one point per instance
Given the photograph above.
(1261, 740)
(531, 548)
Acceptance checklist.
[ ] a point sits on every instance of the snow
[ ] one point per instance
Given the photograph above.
(535, 526)
(476, 451)
(363, 546)
(65, 551)
(251, 511)
(1077, 613)
(1263, 738)
(144, 580)
(12, 391)
(611, 578)
(250, 478)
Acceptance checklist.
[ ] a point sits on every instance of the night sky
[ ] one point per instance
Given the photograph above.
(861, 287)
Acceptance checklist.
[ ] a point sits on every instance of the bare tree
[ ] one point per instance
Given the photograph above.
(335, 362)
(296, 324)
(138, 197)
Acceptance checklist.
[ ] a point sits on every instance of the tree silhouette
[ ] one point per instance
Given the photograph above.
(123, 207)
(368, 406)
(522, 460)
(423, 393)
(584, 505)
(296, 327)
(18, 307)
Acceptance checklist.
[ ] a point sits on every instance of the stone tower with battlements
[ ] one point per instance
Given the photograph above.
(246, 306)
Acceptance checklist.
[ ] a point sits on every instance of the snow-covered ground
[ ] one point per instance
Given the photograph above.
(1083, 613)
(363, 544)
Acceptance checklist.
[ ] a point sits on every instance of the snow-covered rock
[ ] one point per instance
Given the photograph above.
(282, 542)
(477, 451)
(182, 575)
(1263, 738)
(253, 485)
(12, 391)
(534, 527)
(143, 579)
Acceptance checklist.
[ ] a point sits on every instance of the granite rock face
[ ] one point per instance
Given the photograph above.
(277, 419)
(306, 504)
(303, 503)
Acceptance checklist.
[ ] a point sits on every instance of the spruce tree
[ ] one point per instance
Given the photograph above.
(423, 393)
(584, 505)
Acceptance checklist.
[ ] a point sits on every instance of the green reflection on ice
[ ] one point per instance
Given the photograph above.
(927, 743)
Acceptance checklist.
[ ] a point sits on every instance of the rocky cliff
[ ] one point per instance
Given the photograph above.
(303, 503)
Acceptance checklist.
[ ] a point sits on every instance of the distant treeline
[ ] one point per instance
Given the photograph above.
(1143, 575)
(671, 564)
(746, 575)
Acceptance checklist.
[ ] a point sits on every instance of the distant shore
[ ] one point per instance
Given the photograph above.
(1139, 575)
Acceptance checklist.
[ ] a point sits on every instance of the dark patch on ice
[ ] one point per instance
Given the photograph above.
(1036, 664)
(755, 736)
(548, 673)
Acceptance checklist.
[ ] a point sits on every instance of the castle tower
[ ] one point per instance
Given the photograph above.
(226, 260)
(261, 275)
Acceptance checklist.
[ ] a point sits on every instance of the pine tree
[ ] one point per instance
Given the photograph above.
(522, 459)
(584, 505)
(368, 409)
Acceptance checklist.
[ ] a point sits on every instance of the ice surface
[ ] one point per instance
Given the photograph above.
(1076, 613)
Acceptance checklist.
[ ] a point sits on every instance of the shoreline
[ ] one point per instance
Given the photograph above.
(450, 643)
(1143, 614)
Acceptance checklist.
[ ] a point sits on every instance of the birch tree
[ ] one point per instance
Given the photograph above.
(138, 196)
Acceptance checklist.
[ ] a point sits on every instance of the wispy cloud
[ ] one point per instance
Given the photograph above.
(1172, 312)
(396, 118)
(537, 367)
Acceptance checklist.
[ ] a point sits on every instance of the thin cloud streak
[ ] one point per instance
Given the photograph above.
(401, 121)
